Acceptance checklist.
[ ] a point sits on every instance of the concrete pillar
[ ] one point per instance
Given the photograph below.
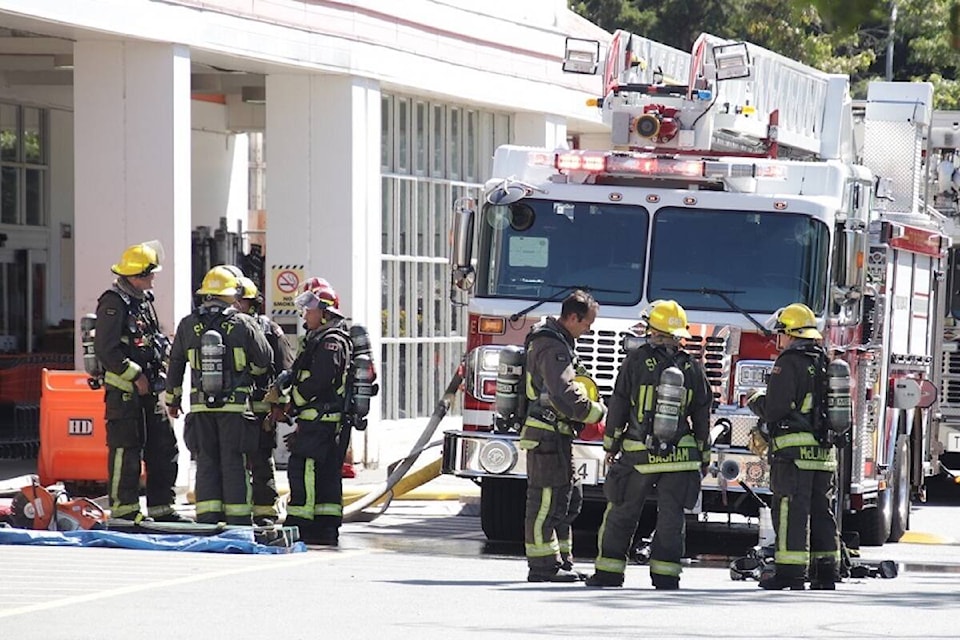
(323, 185)
(540, 130)
(220, 175)
(323, 190)
(132, 166)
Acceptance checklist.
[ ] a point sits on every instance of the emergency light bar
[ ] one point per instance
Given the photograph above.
(647, 164)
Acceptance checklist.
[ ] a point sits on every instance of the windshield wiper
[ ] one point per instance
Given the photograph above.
(564, 289)
(725, 296)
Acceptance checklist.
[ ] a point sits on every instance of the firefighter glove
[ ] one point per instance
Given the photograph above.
(758, 442)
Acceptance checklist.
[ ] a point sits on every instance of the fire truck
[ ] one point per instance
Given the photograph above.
(944, 184)
(737, 181)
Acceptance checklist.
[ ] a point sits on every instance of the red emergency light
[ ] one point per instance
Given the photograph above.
(628, 164)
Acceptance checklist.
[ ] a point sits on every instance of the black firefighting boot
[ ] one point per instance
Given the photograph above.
(605, 579)
(777, 583)
(553, 573)
(173, 516)
(666, 583)
(824, 575)
(567, 565)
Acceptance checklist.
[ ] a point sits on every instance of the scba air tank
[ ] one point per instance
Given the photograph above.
(838, 396)
(88, 332)
(211, 365)
(364, 374)
(509, 383)
(666, 416)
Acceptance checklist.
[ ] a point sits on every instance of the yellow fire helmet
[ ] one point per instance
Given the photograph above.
(140, 259)
(248, 288)
(221, 282)
(588, 387)
(666, 316)
(797, 320)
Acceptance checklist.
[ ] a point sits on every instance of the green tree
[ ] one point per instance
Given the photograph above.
(837, 36)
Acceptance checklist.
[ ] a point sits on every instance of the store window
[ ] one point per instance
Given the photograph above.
(23, 168)
(431, 153)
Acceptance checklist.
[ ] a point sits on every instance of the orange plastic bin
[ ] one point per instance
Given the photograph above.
(73, 429)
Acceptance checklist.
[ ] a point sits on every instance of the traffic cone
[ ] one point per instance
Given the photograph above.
(347, 470)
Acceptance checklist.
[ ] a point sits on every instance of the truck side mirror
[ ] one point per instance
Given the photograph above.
(462, 251)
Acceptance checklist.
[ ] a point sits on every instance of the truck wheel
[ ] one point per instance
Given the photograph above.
(874, 524)
(900, 520)
(503, 502)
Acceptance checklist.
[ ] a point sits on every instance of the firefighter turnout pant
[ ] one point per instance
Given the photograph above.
(138, 430)
(263, 475)
(554, 499)
(675, 491)
(224, 443)
(316, 486)
(803, 506)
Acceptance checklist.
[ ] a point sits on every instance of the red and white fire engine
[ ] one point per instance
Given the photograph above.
(737, 182)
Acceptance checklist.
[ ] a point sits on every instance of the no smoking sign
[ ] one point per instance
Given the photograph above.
(286, 282)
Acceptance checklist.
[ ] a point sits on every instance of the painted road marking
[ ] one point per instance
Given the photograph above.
(134, 588)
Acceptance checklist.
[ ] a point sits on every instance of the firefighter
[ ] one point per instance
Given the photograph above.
(318, 397)
(558, 407)
(656, 437)
(132, 349)
(228, 355)
(262, 468)
(803, 465)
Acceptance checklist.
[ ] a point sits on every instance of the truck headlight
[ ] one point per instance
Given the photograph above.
(753, 374)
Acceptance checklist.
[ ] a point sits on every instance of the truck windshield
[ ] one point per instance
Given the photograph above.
(533, 249)
(764, 260)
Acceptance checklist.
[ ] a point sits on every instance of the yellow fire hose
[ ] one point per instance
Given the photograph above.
(406, 484)
(353, 511)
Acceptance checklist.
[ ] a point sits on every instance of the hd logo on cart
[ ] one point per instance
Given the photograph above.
(80, 427)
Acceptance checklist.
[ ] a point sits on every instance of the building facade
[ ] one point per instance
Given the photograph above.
(311, 137)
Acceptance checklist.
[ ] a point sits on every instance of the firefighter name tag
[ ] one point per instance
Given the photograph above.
(587, 470)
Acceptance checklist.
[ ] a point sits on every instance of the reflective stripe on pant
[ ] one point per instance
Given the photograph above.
(550, 512)
(316, 486)
(802, 506)
(138, 429)
(223, 489)
(620, 523)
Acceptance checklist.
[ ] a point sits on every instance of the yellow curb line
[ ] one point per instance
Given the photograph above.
(919, 537)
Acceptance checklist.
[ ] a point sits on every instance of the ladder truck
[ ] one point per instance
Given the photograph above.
(736, 182)
(944, 186)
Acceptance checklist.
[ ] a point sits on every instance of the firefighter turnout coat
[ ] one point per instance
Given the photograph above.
(129, 342)
(557, 410)
(802, 470)
(318, 396)
(674, 471)
(223, 430)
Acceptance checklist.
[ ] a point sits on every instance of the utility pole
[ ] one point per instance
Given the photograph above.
(890, 36)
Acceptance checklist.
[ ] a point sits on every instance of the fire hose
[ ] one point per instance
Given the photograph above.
(352, 512)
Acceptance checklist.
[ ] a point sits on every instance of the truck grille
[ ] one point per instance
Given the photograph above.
(601, 352)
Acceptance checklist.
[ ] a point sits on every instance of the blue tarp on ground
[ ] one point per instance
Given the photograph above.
(229, 541)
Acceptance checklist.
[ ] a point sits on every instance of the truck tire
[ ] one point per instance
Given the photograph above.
(873, 524)
(900, 520)
(502, 505)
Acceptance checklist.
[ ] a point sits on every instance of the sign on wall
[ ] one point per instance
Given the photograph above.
(286, 279)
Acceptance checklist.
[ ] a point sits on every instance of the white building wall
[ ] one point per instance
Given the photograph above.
(219, 176)
(60, 270)
(132, 175)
